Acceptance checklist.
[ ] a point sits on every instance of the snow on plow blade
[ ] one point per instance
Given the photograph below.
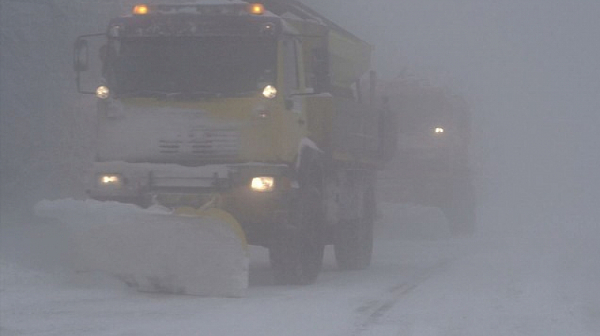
(197, 252)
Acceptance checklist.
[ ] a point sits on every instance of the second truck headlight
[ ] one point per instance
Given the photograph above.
(110, 180)
(102, 92)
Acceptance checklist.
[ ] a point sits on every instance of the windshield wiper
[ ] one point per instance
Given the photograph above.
(169, 95)
(145, 93)
(182, 95)
(208, 94)
(193, 94)
(244, 93)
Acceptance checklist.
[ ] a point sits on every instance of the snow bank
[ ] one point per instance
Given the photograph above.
(153, 249)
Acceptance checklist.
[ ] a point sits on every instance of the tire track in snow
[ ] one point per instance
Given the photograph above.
(371, 312)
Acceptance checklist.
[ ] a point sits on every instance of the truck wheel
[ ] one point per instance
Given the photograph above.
(353, 240)
(297, 254)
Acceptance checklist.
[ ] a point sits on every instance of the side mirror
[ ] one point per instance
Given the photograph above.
(372, 86)
(81, 55)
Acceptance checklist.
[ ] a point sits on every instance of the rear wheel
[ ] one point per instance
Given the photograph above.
(297, 253)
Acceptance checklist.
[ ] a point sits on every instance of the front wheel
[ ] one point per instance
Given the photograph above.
(353, 240)
(297, 253)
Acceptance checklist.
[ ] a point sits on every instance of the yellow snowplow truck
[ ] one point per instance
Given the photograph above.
(252, 108)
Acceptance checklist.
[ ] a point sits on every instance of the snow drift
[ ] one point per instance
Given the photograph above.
(154, 249)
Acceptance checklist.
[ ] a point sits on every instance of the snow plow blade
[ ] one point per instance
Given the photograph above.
(186, 251)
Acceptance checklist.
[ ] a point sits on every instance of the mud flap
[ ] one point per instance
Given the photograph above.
(188, 251)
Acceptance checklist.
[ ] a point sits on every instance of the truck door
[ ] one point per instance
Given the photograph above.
(88, 54)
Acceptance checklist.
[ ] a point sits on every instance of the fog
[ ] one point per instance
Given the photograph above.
(531, 73)
(45, 143)
(530, 70)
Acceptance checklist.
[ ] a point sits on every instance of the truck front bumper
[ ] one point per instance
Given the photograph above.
(226, 186)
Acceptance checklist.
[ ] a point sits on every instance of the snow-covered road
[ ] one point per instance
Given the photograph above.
(417, 285)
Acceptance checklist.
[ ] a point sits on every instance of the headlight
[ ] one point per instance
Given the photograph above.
(110, 180)
(269, 91)
(263, 183)
(439, 130)
(102, 92)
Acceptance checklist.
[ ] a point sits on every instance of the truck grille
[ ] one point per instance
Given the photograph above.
(203, 145)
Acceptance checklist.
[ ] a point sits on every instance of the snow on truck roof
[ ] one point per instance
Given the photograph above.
(350, 56)
(235, 8)
(281, 8)
(297, 8)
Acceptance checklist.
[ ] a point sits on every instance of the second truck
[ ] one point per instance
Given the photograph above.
(431, 167)
(255, 109)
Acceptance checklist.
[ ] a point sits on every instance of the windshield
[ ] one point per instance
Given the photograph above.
(188, 65)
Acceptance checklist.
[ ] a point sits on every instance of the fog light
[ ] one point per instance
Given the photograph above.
(263, 183)
(111, 180)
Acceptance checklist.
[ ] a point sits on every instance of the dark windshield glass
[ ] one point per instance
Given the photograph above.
(222, 66)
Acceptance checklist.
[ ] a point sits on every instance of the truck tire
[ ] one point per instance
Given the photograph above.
(353, 239)
(296, 255)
